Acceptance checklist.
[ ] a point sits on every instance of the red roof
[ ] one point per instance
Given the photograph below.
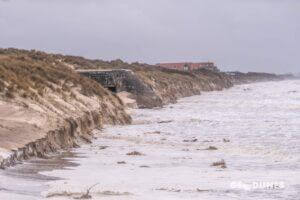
(186, 65)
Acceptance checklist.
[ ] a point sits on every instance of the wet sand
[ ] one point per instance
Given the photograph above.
(26, 179)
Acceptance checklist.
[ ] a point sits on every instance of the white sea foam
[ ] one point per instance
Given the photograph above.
(4, 154)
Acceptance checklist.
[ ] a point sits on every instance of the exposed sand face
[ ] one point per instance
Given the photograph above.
(23, 121)
(20, 125)
(127, 101)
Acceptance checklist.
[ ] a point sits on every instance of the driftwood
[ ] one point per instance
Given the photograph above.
(87, 194)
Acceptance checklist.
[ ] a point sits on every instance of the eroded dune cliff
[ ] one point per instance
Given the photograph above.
(45, 105)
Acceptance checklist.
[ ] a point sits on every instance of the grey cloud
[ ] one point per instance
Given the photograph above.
(247, 35)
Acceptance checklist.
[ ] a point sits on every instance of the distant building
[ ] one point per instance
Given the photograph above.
(189, 66)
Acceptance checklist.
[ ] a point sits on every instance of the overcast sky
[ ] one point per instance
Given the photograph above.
(245, 35)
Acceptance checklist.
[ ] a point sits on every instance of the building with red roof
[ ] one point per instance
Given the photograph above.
(188, 66)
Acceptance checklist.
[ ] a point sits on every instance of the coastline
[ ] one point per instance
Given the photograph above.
(72, 133)
(159, 87)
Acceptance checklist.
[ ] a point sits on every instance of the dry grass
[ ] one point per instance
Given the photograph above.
(30, 74)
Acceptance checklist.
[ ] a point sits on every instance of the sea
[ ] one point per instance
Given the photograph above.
(241, 143)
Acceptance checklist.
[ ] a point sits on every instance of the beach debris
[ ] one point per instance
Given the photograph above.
(220, 163)
(162, 189)
(87, 193)
(103, 147)
(154, 133)
(121, 162)
(134, 153)
(225, 140)
(61, 194)
(207, 141)
(199, 190)
(211, 148)
(144, 166)
(112, 193)
(164, 122)
(169, 189)
(193, 140)
(180, 190)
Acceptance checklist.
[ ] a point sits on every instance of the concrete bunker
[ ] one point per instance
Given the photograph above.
(119, 80)
(110, 79)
